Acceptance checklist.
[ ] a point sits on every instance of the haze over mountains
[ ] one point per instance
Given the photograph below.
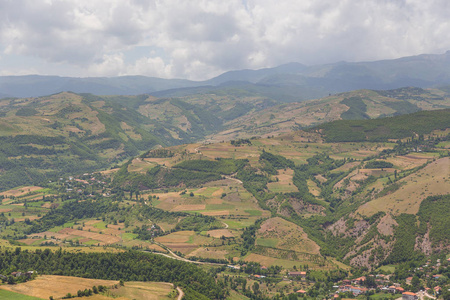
(287, 83)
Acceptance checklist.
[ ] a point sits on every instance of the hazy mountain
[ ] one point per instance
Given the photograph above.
(36, 85)
(288, 83)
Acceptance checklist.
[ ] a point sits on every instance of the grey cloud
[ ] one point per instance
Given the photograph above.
(203, 38)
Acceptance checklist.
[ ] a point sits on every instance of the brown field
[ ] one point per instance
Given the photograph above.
(28, 241)
(189, 207)
(218, 193)
(183, 248)
(409, 161)
(31, 218)
(143, 290)
(216, 213)
(434, 179)
(218, 233)
(20, 191)
(57, 286)
(289, 235)
(176, 237)
(209, 253)
(104, 238)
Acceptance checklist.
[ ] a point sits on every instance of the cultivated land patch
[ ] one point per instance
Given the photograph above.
(21, 191)
(218, 233)
(281, 234)
(45, 286)
(434, 179)
(209, 253)
(284, 182)
(7, 295)
(143, 290)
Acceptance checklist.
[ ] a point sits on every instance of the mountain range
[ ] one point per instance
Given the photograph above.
(288, 83)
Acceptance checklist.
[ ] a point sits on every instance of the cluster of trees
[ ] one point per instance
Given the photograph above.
(199, 223)
(219, 166)
(378, 164)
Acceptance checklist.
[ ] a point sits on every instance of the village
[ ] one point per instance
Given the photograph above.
(429, 281)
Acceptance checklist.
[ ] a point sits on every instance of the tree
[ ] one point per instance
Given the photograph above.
(255, 288)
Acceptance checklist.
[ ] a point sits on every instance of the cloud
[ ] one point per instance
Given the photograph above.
(198, 39)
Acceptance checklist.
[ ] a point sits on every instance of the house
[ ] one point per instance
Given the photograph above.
(297, 274)
(392, 289)
(437, 289)
(408, 280)
(399, 289)
(16, 274)
(437, 276)
(357, 290)
(353, 289)
(409, 296)
(301, 292)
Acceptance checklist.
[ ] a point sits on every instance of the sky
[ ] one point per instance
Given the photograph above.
(200, 39)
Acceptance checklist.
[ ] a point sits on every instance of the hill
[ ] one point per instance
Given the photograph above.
(87, 132)
(354, 105)
(264, 206)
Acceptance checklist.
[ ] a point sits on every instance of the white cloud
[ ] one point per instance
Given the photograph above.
(201, 38)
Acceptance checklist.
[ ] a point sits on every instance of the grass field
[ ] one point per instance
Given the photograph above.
(8, 295)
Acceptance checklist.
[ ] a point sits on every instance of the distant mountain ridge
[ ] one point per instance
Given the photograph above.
(302, 82)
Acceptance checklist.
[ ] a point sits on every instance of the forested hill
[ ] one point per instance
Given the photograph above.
(410, 125)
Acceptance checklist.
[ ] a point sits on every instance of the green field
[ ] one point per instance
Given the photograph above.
(7, 295)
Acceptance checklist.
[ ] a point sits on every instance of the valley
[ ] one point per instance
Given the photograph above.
(326, 187)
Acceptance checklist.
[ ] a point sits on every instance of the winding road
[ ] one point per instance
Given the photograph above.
(180, 293)
(174, 256)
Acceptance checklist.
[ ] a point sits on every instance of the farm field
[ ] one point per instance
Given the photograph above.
(8, 295)
(59, 286)
(434, 179)
(281, 234)
(45, 286)
(143, 290)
